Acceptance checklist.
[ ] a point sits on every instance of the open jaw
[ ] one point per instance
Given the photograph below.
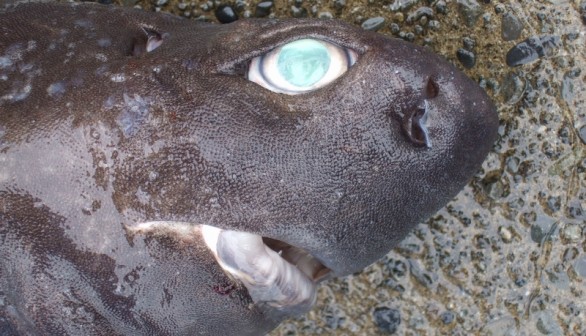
(280, 278)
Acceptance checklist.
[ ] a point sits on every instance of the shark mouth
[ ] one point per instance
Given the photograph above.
(278, 276)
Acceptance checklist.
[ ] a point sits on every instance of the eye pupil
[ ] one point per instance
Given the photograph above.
(303, 62)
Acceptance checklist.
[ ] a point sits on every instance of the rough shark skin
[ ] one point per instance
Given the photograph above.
(113, 117)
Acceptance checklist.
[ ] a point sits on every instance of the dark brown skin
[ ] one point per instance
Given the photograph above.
(97, 135)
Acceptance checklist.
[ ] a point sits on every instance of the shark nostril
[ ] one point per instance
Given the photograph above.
(414, 121)
(431, 89)
(414, 125)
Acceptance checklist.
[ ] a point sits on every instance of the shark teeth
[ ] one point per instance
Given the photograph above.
(270, 279)
(280, 278)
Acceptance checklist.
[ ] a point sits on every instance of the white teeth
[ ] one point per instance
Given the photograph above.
(269, 278)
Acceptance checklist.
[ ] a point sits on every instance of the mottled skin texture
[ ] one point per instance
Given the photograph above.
(97, 135)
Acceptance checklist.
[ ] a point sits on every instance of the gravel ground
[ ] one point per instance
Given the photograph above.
(507, 256)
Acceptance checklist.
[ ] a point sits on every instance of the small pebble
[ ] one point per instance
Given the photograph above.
(298, 12)
(582, 134)
(402, 5)
(434, 25)
(520, 282)
(505, 326)
(424, 278)
(466, 58)
(334, 316)
(470, 10)
(537, 233)
(263, 9)
(494, 188)
(580, 266)
(240, 4)
(419, 13)
(531, 49)
(570, 254)
(572, 233)
(486, 18)
(226, 14)
(447, 317)
(513, 88)
(469, 43)
(583, 11)
(512, 164)
(339, 4)
(397, 268)
(387, 319)
(374, 24)
(206, 7)
(410, 37)
(506, 234)
(418, 30)
(399, 17)
(546, 324)
(314, 10)
(395, 29)
(553, 204)
(511, 27)
(499, 8)
(441, 7)
(569, 85)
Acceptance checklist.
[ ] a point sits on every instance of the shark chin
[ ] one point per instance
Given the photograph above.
(280, 278)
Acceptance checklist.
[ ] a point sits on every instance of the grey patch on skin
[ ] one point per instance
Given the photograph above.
(109, 103)
(102, 70)
(142, 196)
(118, 78)
(105, 42)
(20, 91)
(2, 133)
(101, 57)
(135, 110)
(57, 89)
(5, 62)
(84, 23)
(20, 76)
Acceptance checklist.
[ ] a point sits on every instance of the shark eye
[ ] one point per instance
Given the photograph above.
(300, 66)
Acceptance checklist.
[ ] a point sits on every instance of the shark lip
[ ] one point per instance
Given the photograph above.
(277, 275)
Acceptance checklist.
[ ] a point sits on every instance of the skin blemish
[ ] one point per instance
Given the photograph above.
(135, 111)
(118, 78)
(5, 62)
(105, 42)
(57, 89)
(101, 57)
(109, 103)
(84, 23)
(18, 93)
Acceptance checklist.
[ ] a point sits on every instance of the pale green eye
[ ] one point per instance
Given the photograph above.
(304, 62)
(300, 66)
